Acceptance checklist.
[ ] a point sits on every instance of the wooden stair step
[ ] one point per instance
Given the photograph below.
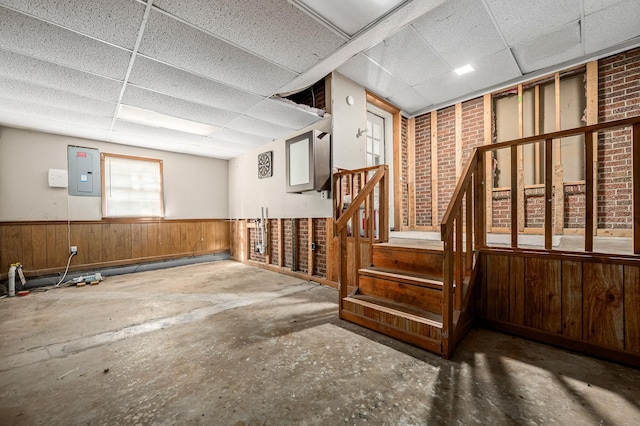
(413, 278)
(398, 309)
(409, 259)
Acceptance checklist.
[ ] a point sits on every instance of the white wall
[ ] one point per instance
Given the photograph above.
(194, 187)
(349, 150)
(247, 193)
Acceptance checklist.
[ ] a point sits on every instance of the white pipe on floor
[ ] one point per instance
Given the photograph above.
(12, 281)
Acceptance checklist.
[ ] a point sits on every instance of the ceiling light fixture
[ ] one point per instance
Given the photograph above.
(464, 70)
(155, 119)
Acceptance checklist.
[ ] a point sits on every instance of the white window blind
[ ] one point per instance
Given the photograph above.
(132, 187)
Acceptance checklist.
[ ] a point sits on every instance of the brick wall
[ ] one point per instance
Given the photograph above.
(618, 97)
(302, 245)
(320, 255)
(501, 217)
(472, 127)
(274, 241)
(287, 243)
(534, 207)
(253, 240)
(423, 170)
(446, 158)
(574, 206)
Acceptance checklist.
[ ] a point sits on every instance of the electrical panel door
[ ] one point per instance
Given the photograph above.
(84, 171)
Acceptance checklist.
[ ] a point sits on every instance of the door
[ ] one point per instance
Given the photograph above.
(380, 148)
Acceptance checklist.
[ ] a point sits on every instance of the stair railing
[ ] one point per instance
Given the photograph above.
(463, 227)
(360, 215)
(464, 215)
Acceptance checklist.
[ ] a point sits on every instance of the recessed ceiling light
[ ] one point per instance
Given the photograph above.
(463, 70)
(155, 119)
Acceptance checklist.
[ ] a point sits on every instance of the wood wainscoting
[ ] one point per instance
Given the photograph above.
(43, 247)
(587, 303)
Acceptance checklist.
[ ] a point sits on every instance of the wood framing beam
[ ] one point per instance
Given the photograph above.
(280, 244)
(267, 241)
(310, 264)
(520, 166)
(434, 170)
(558, 189)
(488, 161)
(411, 171)
(458, 149)
(592, 118)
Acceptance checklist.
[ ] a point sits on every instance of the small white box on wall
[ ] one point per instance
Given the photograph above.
(58, 178)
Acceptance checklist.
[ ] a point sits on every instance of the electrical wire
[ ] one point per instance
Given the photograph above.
(66, 270)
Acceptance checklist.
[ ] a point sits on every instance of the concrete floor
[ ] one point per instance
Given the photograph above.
(223, 343)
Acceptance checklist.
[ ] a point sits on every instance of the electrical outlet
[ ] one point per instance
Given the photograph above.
(73, 250)
(324, 195)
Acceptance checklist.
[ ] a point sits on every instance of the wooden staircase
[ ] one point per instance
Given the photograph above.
(400, 295)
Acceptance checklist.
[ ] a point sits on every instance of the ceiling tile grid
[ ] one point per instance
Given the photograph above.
(614, 24)
(114, 21)
(179, 44)
(32, 37)
(551, 48)
(164, 104)
(24, 68)
(272, 29)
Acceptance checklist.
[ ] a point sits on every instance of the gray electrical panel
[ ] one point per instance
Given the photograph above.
(84, 171)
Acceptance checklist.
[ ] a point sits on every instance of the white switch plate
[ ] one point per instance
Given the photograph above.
(58, 178)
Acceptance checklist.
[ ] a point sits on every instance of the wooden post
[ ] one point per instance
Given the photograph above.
(636, 188)
(488, 165)
(514, 196)
(411, 171)
(558, 171)
(397, 172)
(592, 118)
(588, 196)
(280, 244)
(521, 197)
(548, 193)
(479, 200)
(344, 271)
(310, 264)
(447, 299)
(458, 141)
(434, 171)
(267, 233)
(536, 131)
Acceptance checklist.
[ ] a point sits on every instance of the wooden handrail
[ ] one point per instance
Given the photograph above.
(341, 172)
(362, 195)
(456, 198)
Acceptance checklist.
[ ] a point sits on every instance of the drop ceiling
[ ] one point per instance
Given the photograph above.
(66, 66)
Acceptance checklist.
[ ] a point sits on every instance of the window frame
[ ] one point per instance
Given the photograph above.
(103, 157)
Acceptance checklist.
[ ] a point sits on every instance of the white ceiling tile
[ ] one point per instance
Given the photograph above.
(240, 137)
(24, 68)
(175, 107)
(443, 88)
(408, 57)
(179, 44)
(29, 92)
(552, 48)
(181, 84)
(522, 20)
(298, 45)
(460, 31)
(591, 6)
(231, 146)
(491, 70)
(32, 37)
(367, 73)
(612, 25)
(410, 100)
(115, 21)
(37, 111)
(281, 113)
(47, 125)
(259, 127)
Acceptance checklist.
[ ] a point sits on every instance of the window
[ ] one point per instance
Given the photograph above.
(131, 186)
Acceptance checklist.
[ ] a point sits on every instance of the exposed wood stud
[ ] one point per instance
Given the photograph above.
(280, 244)
(558, 172)
(411, 171)
(458, 141)
(488, 161)
(548, 194)
(520, 166)
(588, 196)
(434, 170)
(310, 259)
(514, 197)
(592, 118)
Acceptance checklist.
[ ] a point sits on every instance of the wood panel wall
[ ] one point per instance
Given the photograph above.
(43, 247)
(581, 303)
